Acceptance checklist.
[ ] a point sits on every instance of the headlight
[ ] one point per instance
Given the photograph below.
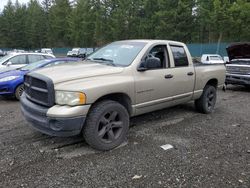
(9, 78)
(70, 98)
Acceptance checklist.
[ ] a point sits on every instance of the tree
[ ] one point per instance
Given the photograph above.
(35, 31)
(84, 23)
(58, 31)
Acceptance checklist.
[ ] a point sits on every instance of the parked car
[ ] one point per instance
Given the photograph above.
(80, 52)
(17, 60)
(238, 67)
(11, 82)
(211, 59)
(47, 51)
(96, 98)
(75, 52)
(89, 51)
(226, 59)
(69, 53)
(18, 51)
(1, 53)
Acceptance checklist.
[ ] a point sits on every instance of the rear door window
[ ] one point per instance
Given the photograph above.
(35, 58)
(180, 56)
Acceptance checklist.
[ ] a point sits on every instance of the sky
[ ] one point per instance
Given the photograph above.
(4, 2)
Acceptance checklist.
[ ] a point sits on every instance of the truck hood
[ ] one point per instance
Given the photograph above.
(79, 70)
(239, 51)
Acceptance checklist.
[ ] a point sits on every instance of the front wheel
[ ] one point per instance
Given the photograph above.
(19, 91)
(106, 125)
(206, 103)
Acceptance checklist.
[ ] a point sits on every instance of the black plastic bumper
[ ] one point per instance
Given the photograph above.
(237, 79)
(36, 115)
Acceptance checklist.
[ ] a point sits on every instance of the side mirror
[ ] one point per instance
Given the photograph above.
(8, 64)
(150, 63)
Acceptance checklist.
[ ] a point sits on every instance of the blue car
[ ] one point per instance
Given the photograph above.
(11, 82)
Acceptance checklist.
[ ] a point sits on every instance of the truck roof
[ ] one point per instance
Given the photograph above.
(153, 41)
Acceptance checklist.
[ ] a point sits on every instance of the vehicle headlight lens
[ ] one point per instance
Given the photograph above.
(70, 98)
(9, 78)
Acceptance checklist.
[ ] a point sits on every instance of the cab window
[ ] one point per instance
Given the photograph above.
(180, 56)
(159, 52)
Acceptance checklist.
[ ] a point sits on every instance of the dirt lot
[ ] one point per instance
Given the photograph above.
(209, 150)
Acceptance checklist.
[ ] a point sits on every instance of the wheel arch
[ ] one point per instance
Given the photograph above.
(121, 98)
(212, 82)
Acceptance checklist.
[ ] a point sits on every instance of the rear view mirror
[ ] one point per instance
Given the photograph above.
(153, 63)
(8, 64)
(150, 63)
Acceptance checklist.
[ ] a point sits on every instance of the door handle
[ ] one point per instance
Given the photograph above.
(190, 74)
(169, 76)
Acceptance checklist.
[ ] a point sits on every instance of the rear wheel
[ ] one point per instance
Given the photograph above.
(206, 103)
(106, 126)
(19, 91)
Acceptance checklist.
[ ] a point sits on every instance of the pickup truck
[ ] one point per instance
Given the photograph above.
(97, 97)
(238, 67)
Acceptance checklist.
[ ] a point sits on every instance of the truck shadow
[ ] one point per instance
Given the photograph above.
(76, 146)
(8, 98)
(238, 88)
(164, 114)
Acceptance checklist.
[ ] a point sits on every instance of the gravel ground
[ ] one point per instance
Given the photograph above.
(209, 150)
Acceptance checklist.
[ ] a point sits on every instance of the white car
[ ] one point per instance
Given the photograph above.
(18, 60)
(75, 52)
(69, 54)
(226, 59)
(47, 50)
(211, 59)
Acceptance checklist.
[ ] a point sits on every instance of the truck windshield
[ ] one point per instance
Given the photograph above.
(117, 53)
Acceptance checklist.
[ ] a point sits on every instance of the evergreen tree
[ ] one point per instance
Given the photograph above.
(84, 23)
(35, 25)
(58, 31)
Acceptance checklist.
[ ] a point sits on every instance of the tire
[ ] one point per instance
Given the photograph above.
(19, 91)
(106, 125)
(206, 103)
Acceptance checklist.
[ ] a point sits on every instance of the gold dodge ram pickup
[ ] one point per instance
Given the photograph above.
(97, 97)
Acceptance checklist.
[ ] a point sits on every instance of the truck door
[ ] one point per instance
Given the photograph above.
(183, 73)
(153, 86)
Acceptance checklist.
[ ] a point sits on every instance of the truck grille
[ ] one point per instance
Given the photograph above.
(238, 70)
(39, 89)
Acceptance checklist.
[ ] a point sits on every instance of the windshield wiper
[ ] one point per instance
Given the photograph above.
(103, 59)
(107, 61)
